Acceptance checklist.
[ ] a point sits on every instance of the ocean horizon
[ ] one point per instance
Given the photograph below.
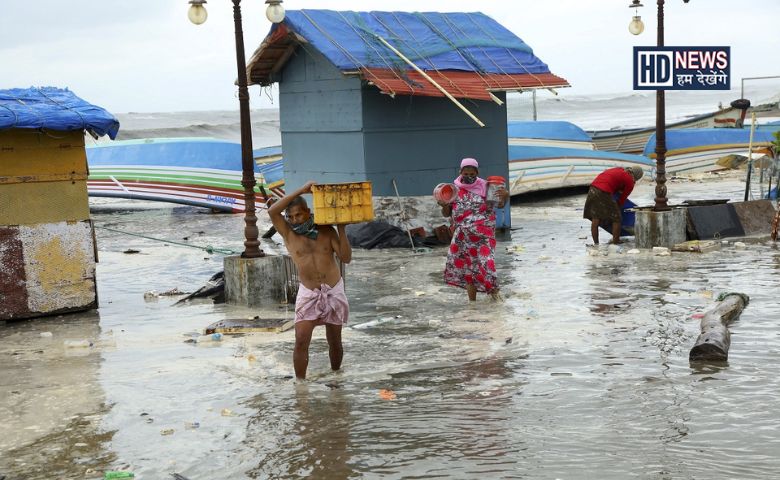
(591, 112)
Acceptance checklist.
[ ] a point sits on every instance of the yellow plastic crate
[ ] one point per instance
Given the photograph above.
(341, 203)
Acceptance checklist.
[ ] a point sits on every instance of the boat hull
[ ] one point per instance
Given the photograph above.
(199, 172)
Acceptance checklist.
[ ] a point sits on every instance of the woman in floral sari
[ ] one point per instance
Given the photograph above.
(470, 261)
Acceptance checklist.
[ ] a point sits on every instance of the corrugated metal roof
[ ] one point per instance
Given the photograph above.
(458, 84)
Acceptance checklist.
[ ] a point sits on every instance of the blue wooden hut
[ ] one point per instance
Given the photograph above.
(374, 95)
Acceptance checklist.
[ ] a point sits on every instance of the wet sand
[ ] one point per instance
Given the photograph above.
(582, 372)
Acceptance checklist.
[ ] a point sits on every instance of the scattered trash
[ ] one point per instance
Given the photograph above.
(77, 343)
(214, 337)
(593, 250)
(633, 251)
(661, 251)
(740, 244)
(226, 412)
(131, 251)
(250, 325)
(515, 249)
(697, 315)
(387, 394)
(582, 237)
(373, 323)
(532, 313)
(173, 292)
(151, 295)
(166, 431)
(508, 341)
(543, 258)
(214, 289)
(724, 242)
(251, 358)
(419, 293)
(191, 425)
(697, 246)
(112, 474)
(46, 335)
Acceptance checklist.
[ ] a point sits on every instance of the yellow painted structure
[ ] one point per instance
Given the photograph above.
(47, 242)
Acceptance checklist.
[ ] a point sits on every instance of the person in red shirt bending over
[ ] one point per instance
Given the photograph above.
(600, 204)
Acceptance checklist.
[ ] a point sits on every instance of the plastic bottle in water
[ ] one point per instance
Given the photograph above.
(77, 344)
(213, 337)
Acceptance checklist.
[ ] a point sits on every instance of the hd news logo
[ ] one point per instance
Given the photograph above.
(682, 68)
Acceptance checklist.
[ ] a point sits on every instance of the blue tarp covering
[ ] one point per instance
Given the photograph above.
(471, 42)
(677, 139)
(547, 130)
(54, 109)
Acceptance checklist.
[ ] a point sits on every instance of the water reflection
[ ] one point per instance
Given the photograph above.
(51, 401)
(314, 443)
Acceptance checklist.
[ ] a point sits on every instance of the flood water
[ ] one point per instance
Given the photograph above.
(581, 373)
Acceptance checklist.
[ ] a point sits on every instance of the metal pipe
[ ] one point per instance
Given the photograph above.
(750, 154)
(251, 242)
(742, 89)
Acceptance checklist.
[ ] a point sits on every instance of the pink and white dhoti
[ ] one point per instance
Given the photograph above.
(326, 304)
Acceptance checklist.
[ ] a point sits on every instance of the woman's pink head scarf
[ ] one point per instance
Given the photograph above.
(479, 187)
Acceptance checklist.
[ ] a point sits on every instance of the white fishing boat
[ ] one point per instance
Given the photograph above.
(547, 155)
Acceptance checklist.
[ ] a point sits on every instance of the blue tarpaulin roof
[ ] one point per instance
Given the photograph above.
(53, 109)
(469, 54)
(471, 42)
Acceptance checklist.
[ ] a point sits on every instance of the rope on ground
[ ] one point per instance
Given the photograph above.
(725, 295)
(207, 248)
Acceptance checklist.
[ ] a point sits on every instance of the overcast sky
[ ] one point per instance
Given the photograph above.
(145, 55)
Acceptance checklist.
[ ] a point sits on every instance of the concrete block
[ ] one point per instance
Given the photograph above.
(755, 216)
(256, 282)
(659, 229)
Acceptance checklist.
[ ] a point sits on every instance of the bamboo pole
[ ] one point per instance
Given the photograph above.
(433, 82)
(714, 341)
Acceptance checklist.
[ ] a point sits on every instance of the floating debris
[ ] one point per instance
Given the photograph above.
(385, 394)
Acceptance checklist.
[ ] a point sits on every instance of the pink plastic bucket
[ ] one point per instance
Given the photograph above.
(445, 193)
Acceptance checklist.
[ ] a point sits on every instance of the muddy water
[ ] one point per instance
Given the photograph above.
(581, 372)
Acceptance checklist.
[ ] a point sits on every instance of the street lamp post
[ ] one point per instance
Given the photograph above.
(661, 201)
(275, 12)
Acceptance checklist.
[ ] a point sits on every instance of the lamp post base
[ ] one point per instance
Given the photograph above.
(659, 228)
(255, 282)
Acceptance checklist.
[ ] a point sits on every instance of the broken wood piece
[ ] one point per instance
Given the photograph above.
(697, 246)
(250, 325)
(714, 341)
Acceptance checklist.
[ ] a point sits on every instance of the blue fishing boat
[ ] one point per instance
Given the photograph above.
(548, 155)
(203, 172)
(697, 150)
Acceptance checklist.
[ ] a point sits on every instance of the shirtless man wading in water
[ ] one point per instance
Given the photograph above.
(321, 299)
